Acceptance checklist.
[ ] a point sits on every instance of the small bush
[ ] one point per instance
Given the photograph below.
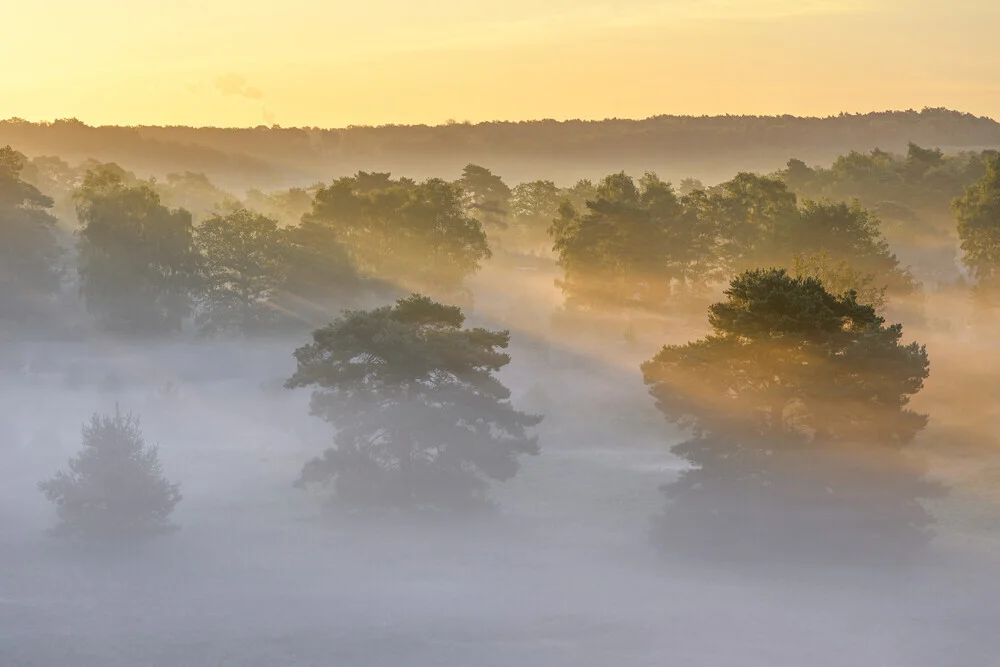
(115, 486)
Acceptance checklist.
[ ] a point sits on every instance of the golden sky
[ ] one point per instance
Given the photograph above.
(338, 62)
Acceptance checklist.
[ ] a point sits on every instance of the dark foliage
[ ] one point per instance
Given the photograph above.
(421, 419)
(138, 263)
(797, 405)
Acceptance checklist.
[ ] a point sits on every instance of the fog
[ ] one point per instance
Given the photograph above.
(563, 575)
(563, 571)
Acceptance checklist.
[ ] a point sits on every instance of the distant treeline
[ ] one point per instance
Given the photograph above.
(710, 148)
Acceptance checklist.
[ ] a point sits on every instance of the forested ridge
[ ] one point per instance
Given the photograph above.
(675, 146)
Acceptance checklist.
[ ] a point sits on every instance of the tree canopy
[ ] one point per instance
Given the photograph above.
(416, 235)
(243, 267)
(422, 421)
(631, 246)
(485, 196)
(138, 264)
(637, 244)
(978, 213)
(798, 407)
(29, 248)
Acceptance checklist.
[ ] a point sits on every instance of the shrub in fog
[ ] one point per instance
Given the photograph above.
(797, 405)
(422, 420)
(115, 486)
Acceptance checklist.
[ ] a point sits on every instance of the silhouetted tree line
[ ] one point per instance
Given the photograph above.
(639, 244)
(279, 157)
(146, 268)
(151, 255)
(904, 188)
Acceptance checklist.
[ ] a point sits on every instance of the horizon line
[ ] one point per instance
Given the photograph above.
(467, 123)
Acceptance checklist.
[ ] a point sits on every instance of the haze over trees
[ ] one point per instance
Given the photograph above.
(242, 269)
(416, 235)
(978, 214)
(137, 259)
(30, 273)
(565, 151)
(485, 196)
(640, 245)
(794, 431)
(422, 421)
(797, 409)
(631, 246)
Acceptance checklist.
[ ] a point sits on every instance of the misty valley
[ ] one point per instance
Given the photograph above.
(374, 411)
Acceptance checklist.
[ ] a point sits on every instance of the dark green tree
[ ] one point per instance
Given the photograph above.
(243, 268)
(485, 196)
(422, 421)
(748, 215)
(978, 214)
(115, 486)
(29, 249)
(797, 406)
(137, 260)
(632, 247)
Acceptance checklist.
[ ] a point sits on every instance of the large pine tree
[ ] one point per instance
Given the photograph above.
(797, 406)
(422, 421)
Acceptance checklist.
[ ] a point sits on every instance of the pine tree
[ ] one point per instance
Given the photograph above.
(421, 419)
(115, 486)
(797, 405)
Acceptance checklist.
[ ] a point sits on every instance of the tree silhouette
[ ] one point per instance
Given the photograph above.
(242, 270)
(421, 419)
(115, 486)
(138, 264)
(797, 405)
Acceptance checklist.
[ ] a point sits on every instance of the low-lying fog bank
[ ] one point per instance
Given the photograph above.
(563, 574)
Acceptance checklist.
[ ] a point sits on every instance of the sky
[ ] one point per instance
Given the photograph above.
(332, 63)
